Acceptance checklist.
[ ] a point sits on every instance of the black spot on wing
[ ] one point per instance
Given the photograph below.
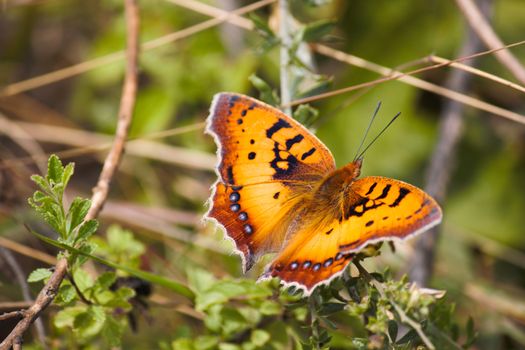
(385, 192)
(296, 139)
(308, 154)
(280, 124)
(402, 194)
(329, 231)
(229, 173)
(371, 189)
(276, 195)
(251, 155)
(360, 207)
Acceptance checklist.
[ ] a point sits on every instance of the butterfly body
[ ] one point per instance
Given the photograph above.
(279, 192)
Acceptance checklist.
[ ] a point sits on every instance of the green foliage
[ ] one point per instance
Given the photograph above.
(48, 202)
(90, 307)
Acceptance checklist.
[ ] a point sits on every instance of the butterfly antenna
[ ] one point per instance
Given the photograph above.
(368, 129)
(380, 133)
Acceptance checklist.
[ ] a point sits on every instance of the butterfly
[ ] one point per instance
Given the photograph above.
(279, 191)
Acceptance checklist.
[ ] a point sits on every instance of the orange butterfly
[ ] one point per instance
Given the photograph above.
(279, 191)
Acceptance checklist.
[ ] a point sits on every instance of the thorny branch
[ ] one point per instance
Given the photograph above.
(442, 161)
(127, 103)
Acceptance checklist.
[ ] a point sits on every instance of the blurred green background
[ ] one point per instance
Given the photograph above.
(481, 255)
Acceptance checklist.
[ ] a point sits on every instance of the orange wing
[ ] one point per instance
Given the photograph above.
(267, 161)
(385, 209)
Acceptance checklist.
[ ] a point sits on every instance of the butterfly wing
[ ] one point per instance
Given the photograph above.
(266, 162)
(384, 209)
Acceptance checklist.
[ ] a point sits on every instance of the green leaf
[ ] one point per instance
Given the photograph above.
(68, 172)
(183, 344)
(39, 275)
(86, 230)
(330, 308)
(55, 171)
(266, 93)
(206, 342)
(199, 279)
(317, 30)
(77, 212)
(105, 280)
(66, 294)
(259, 337)
(392, 330)
(66, 317)
(175, 286)
(112, 331)
(305, 114)
(41, 182)
(82, 279)
(90, 323)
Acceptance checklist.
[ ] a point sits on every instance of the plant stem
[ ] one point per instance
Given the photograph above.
(404, 318)
(286, 39)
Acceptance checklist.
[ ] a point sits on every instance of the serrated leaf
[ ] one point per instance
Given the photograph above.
(86, 230)
(55, 170)
(77, 212)
(317, 30)
(66, 294)
(41, 182)
(39, 275)
(68, 172)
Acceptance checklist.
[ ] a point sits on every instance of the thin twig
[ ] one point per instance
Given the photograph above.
(71, 71)
(90, 142)
(12, 314)
(403, 317)
(11, 260)
(442, 161)
(483, 29)
(390, 74)
(48, 293)
(284, 64)
(27, 251)
(479, 72)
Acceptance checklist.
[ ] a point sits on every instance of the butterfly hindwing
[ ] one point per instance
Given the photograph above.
(385, 209)
(266, 160)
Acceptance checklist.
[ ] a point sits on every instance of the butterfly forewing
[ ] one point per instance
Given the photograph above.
(266, 161)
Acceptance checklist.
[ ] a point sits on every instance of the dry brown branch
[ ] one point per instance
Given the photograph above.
(48, 293)
(483, 29)
(90, 141)
(479, 72)
(68, 72)
(442, 162)
(12, 314)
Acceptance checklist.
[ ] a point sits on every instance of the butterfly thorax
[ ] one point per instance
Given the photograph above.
(338, 182)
